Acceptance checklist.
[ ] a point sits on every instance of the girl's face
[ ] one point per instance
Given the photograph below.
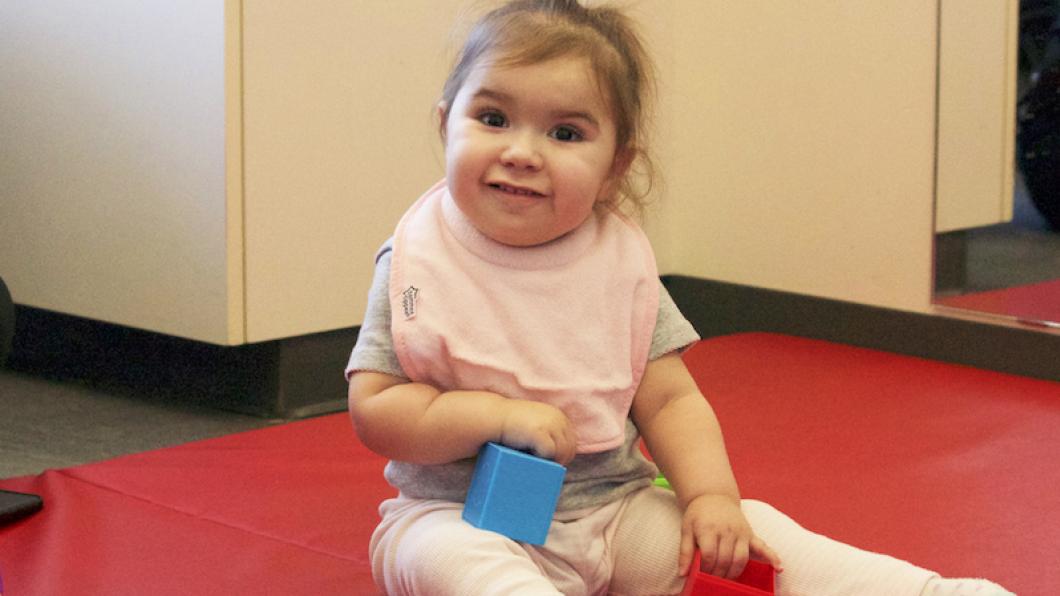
(530, 149)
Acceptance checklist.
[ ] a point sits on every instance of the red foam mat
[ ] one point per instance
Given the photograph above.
(951, 467)
(948, 466)
(283, 510)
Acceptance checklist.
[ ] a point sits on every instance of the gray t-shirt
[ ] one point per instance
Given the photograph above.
(592, 479)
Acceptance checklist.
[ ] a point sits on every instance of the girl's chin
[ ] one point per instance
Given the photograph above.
(516, 240)
(516, 237)
(521, 237)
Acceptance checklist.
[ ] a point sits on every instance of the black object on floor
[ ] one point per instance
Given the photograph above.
(15, 506)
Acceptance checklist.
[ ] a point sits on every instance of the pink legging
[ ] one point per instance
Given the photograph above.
(624, 548)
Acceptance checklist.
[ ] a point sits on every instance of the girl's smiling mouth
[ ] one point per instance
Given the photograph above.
(514, 190)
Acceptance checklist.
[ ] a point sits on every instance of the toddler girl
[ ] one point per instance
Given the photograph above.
(516, 304)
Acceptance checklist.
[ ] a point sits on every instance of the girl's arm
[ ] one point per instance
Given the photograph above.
(684, 437)
(417, 423)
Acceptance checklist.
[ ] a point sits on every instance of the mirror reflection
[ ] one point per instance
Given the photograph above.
(1012, 269)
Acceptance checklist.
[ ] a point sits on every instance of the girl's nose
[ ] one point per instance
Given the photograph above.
(522, 153)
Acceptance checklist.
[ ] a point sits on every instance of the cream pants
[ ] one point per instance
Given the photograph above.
(629, 547)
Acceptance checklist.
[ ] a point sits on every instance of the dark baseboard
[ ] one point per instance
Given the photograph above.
(302, 376)
(951, 261)
(717, 308)
(289, 378)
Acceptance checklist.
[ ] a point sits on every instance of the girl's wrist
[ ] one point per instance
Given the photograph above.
(710, 495)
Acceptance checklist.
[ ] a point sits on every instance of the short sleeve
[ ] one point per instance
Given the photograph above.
(672, 330)
(374, 350)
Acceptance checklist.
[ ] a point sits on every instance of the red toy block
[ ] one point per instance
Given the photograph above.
(756, 580)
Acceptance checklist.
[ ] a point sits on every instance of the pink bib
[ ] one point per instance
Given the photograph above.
(568, 323)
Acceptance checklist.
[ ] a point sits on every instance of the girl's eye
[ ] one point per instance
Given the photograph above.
(493, 119)
(566, 134)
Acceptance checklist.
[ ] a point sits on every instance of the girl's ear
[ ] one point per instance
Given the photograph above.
(619, 167)
(443, 112)
(623, 160)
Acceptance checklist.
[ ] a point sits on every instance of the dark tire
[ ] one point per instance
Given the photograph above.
(1038, 144)
(7, 322)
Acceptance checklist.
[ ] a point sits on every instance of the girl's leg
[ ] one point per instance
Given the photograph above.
(817, 565)
(646, 540)
(424, 547)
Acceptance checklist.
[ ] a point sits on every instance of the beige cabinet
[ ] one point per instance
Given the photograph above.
(223, 170)
(113, 164)
(978, 45)
(216, 170)
(339, 137)
(803, 143)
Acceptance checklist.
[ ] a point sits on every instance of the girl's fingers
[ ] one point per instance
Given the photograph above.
(570, 439)
(687, 552)
(722, 556)
(562, 450)
(762, 551)
(740, 554)
(710, 560)
(545, 447)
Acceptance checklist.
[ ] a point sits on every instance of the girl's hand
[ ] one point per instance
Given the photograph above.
(539, 428)
(715, 525)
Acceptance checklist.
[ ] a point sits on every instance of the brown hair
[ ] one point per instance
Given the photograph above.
(525, 32)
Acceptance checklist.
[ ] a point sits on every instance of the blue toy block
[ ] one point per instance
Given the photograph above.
(513, 493)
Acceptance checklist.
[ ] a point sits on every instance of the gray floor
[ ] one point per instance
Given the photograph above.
(1022, 252)
(53, 424)
(1011, 255)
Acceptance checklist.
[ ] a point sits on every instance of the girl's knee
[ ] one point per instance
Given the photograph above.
(646, 544)
(433, 551)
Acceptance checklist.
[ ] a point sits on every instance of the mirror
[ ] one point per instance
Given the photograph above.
(1002, 260)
